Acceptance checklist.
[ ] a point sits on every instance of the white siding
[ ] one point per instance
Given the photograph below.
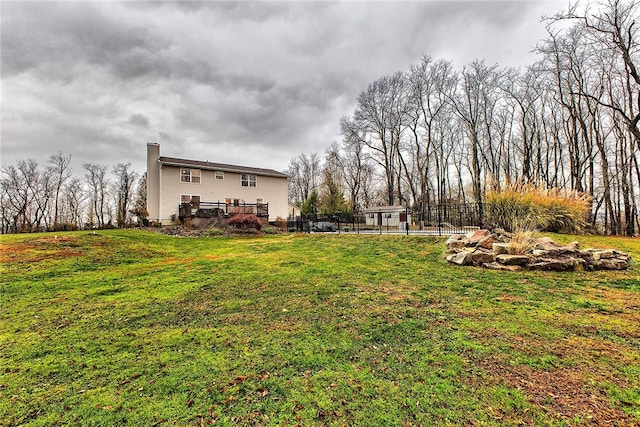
(271, 190)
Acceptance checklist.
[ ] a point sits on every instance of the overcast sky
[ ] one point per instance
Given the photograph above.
(248, 83)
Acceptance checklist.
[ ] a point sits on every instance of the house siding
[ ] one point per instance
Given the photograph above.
(272, 190)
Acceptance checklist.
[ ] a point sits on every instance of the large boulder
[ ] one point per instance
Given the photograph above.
(500, 248)
(507, 259)
(477, 236)
(456, 242)
(460, 258)
(481, 256)
(501, 267)
(487, 242)
(564, 263)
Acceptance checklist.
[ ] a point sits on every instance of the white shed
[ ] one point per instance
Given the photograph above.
(387, 216)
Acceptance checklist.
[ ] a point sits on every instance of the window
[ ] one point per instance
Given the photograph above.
(190, 198)
(248, 180)
(190, 175)
(219, 175)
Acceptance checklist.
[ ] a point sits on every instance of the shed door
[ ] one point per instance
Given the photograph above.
(403, 217)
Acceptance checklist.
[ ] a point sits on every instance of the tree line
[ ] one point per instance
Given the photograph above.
(434, 134)
(51, 198)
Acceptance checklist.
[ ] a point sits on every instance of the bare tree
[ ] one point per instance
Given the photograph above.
(475, 103)
(357, 168)
(139, 208)
(304, 172)
(59, 169)
(97, 178)
(380, 115)
(123, 186)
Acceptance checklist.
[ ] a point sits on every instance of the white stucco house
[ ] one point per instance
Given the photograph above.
(177, 188)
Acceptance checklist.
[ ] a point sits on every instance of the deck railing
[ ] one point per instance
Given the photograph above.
(221, 209)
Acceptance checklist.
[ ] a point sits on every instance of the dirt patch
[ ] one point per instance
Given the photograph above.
(565, 393)
(41, 249)
(510, 298)
(13, 252)
(58, 241)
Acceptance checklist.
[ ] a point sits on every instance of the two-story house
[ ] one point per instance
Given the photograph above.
(179, 187)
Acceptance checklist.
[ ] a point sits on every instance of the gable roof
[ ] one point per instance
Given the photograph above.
(172, 161)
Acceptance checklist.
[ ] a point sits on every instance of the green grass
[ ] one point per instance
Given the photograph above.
(131, 327)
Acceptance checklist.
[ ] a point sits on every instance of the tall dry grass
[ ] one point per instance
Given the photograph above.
(527, 207)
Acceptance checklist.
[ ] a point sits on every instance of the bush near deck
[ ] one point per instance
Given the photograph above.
(133, 327)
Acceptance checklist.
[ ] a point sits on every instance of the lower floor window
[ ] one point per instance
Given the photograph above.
(190, 198)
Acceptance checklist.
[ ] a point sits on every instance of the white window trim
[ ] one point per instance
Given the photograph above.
(191, 175)
(190, 197)
(249, 181)
(219, 174)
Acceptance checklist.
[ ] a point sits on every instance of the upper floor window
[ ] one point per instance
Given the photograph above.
(248, 180)
(190, 175)
(219, 175)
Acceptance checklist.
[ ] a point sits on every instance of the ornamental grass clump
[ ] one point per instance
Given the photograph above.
(527, 207)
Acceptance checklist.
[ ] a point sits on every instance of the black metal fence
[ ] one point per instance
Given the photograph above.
(438, 220)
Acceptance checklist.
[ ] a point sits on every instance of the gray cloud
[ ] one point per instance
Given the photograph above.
(247, 82)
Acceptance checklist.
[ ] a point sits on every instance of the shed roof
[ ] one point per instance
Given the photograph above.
(385, 209)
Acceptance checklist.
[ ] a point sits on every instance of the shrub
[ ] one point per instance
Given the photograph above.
(245, 222)
(65, 226)
(281, 224)
(214, 232)
(525, 207)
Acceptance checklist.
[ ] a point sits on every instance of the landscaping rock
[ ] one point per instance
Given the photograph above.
(500, 248)
(512, 259)
(573, 246)
(460, 258)
(502, 267)
(612, 264)
(546, 244)
(487, 242)
(496, 250)
(557, 264)
(541, 252)
(456, 243)
(603, 254)
(480, 256)
(501, 236)
(477, 236)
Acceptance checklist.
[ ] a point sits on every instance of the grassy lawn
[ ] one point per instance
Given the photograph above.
(132, 327)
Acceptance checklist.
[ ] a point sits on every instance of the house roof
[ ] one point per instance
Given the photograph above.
(172, 161)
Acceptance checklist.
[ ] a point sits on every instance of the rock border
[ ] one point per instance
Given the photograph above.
(496, 250)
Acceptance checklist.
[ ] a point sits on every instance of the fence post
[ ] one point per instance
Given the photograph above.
(406, 219)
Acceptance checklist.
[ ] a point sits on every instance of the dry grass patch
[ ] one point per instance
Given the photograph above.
(565, 394)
